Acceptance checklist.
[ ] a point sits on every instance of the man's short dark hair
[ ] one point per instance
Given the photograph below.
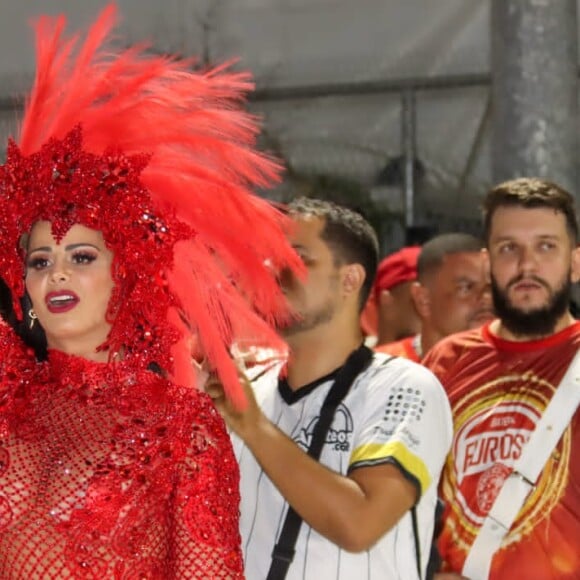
(435, 250)
(351, 239)
(530, 192)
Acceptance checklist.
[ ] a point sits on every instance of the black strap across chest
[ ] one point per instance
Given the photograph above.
(284, 550)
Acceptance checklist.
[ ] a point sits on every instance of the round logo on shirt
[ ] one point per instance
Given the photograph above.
(337, 437)
(492, 426)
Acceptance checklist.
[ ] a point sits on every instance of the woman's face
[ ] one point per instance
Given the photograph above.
(70, 285)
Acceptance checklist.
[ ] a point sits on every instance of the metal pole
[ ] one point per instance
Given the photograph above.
(371, 87)
(409, 141)
(535, 90)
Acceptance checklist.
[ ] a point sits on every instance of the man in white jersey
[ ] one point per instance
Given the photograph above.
(385, 448)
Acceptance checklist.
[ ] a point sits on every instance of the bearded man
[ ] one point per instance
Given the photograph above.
(500, 380)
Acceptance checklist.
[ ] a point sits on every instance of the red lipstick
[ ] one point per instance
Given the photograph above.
(61, 301)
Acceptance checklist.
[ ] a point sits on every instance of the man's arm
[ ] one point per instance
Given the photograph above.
(352, 511)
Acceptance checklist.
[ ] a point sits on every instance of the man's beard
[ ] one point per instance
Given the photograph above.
(535, 322)
(305, 322)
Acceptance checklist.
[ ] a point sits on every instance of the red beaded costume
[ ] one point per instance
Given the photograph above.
(111, 470)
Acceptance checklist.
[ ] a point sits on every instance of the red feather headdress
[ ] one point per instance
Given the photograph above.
(161, 160)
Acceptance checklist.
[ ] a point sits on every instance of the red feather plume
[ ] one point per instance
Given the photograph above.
(202, 168)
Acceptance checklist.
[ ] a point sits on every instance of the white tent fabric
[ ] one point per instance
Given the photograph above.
(330, 43)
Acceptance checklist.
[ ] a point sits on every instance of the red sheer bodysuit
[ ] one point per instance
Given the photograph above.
(107, 472)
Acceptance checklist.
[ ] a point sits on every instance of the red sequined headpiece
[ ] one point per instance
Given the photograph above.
(161, 160)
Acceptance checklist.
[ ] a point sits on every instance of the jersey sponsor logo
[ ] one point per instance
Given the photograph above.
(486, 448)
(338, 436)
(479, 453)
(495, 435)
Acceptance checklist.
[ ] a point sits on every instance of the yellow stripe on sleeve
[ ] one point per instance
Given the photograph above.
(374, 453)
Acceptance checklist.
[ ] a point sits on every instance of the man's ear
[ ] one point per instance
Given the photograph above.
(353, 279)
(575, 265)
(421, 299)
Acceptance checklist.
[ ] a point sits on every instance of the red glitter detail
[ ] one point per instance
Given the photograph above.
(5, 512)
(142, 475)
(66, 185)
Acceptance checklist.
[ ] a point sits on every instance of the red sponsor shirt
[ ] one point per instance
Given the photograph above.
(403, 348)
(498, 389)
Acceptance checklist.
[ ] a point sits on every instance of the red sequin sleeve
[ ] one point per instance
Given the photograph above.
(16, 366)
(207, 502)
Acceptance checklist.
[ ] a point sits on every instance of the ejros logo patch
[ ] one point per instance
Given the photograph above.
(490, 434)
(486, 448)
(493, 436)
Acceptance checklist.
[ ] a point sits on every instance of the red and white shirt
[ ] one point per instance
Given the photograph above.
(407, 348)
(498, 390)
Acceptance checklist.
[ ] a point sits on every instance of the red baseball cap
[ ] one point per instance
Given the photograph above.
(399, 267)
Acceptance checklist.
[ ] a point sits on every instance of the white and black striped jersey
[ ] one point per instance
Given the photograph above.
(396, 411)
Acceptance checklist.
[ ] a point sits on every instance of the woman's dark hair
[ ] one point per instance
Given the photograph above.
(6, 309)
(32, 335)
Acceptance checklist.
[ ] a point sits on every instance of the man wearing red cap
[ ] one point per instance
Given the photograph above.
(396, 317)
(451, 293)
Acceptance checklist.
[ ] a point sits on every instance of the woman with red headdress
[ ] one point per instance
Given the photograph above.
(127, 233)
